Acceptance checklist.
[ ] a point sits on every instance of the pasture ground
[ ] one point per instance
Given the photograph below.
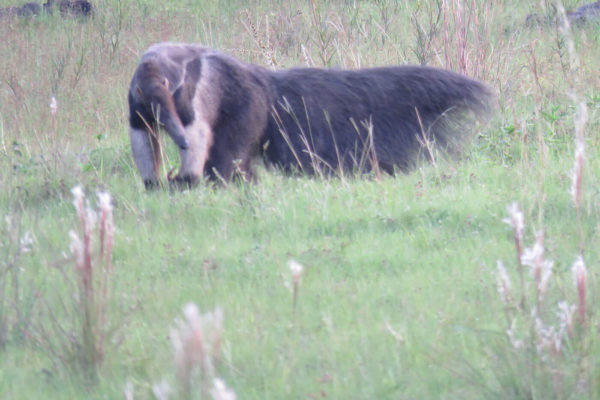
(398, 298)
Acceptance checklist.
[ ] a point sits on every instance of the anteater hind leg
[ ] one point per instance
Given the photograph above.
(230, 159)
(147, 155)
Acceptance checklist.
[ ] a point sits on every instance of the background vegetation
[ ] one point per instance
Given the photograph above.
(400, 295)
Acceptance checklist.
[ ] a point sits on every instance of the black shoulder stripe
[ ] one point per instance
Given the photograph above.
(193, 70)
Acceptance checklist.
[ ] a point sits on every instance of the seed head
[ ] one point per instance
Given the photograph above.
(565, 316)
(579, 275)
(503, 283)
(296, 269)
(516, 220)
(53, 106)
(220, 391)
(26, 242)
(510, 332)
(76, 248)
(161, 390)
(78, 197)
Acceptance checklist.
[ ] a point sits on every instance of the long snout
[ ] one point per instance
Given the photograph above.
(175, 129)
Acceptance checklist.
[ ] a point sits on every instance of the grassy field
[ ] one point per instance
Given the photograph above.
(400, 295)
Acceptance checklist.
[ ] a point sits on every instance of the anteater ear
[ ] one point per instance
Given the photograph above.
(167, 83)
(139, 91)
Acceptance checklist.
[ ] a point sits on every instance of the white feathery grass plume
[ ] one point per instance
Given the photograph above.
(548, 338)
(503, 283)
(534, 257)
(516, 220)
(565, 316)
(53, 106)
(78, 198)
(547, 270)
(26, 242)
(76, 248)
(86, 215)
(91, 218)
(541, 269)
(105, 201)
(128, 390)
(581, 118)
(296, 270)
(579, 271)
(577, 173)
(196, 344)
(107, 226)
(307, 59)
(221, 392)
(510, 332)
(161, 390)
(565, 29)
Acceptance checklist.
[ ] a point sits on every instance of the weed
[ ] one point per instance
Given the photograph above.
(324, 34)
(82, 346)
(414, 246)
(196, 343)
(544, 351)
(426, 34)
(296, 270)
(14, 309)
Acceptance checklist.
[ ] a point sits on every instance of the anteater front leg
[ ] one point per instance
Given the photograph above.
(199, 135)
(147, 155)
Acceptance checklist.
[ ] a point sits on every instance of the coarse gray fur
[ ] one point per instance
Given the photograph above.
(223, 113)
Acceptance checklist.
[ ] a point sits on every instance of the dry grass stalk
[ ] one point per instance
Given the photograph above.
(580, 274)
(296, 269)
(263, 46)
(581, 115)
(466, 32)
(548, 339)
(516, 221)
(13, 247)
(197, 346)
(93, 272)
(81, 347)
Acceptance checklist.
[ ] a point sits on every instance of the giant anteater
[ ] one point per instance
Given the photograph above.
(222, 113)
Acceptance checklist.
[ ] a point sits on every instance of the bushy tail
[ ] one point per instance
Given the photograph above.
(448, 106)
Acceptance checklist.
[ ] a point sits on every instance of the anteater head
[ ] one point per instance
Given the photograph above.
(151, 103)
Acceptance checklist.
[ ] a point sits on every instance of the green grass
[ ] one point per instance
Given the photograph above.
(415, 253)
